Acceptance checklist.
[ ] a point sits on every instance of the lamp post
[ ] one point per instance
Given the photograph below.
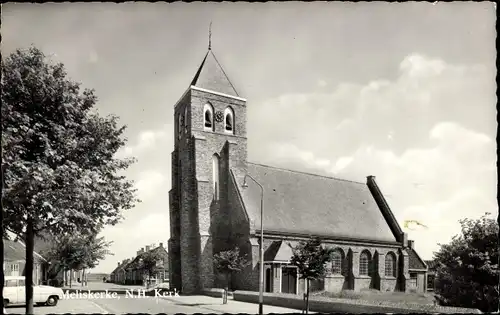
(261, 273)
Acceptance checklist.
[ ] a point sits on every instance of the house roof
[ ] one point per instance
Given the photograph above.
(431, 264)
(309, 204)
(414, 260)
(135, 262)
(278, 251)
(120, 266)
(211, 76)
(16, 251)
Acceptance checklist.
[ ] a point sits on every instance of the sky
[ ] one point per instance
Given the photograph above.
(401, 91)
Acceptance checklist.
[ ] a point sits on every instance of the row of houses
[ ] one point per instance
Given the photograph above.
(14, 264)
(130, 271)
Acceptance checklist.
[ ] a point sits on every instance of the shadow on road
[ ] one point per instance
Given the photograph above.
(194, 304)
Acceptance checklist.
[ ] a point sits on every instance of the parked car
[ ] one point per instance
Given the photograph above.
(14, 292)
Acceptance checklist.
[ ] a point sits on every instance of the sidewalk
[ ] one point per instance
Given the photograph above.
(232, 306)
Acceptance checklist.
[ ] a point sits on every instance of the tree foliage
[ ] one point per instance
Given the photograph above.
(149, 263)
(311, 258)
(58, 155)
(76, 253)
(467, 272)
(60, 174)
(227, 262)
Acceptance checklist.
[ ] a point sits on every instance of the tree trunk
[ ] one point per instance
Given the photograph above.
(224, 296)
(70, 277)
(307, 297)
(30, 240)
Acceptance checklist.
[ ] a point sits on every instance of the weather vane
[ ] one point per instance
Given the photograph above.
(210, 36)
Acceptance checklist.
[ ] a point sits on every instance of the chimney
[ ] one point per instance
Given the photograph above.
(405, 239)
(410, 244)
(161, 244)
(372, 184)
(147, 248)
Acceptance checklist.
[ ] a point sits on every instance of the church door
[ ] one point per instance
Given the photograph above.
(269, 280)
(289, 280)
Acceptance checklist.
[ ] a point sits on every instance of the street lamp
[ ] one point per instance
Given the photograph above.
(261, 273)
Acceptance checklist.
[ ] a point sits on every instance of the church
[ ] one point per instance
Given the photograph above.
(216, 198)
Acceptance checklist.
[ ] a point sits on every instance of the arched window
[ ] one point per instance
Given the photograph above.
(208, 114)
(229, 120)
(215, 175)
(390, 265)
(364, 263)
(337, 261)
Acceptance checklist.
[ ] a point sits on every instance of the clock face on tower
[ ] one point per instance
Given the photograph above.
(219, 116)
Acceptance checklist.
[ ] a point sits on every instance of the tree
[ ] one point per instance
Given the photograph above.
(148, 263)
(227, 262)
(310, 258)
(467, 268)
(76, 253)
(59, 169)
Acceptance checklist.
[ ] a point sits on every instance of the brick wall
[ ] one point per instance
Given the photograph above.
(335, 283)
(202, 226)
(199, 223)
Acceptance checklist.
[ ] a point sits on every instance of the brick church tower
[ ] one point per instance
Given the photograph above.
(210, 139)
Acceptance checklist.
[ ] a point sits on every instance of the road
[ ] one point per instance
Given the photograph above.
(119, 305)
(122, 304)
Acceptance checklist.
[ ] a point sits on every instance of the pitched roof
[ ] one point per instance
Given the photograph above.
(211, 76)
(278, 251)
(414, 260)
(135, 262)
(123, 266)
(120, 266)
(16, 251)
(431, 264)
(302, 203)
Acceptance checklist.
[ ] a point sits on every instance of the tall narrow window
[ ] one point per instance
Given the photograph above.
(215, 176)
(186, 120)
(208, 114)
(229, 120)
(180, 124)
(364, 263)
(390, 265)
(337, 261)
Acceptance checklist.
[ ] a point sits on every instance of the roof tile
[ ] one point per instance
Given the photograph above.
(211, 76)
(16, 251)
(414, 260)
(297, 202)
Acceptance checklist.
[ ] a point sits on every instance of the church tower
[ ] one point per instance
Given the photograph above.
(210, 140)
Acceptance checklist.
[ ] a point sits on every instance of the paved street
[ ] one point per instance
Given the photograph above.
(102, 286)
(151, 305)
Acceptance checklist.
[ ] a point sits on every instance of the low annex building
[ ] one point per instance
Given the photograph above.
(215, 205)
(14, 261)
